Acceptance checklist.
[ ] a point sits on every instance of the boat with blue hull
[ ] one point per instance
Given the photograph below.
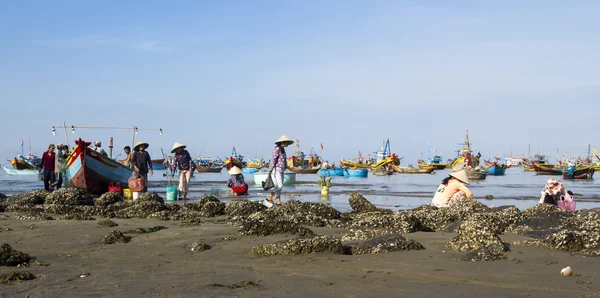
(289, 178)
(89, 170)
(331, 172)
(14, 172)
(496, 169)
(249, 171)
(361, 173)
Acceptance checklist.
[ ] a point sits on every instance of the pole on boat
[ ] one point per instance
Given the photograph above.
(66, 135)
(110, 147)
(133, 131)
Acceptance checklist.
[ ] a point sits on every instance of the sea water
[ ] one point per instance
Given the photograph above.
(400, 191)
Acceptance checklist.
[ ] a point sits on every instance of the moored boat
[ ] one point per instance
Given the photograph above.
(208, 165)
(14, 172)
(411, 170)
(496, 169)
(89, 170)
(582, 173)
(331, 172)
(361, 173)
(545, 169)
(249, 171)
(298, 170)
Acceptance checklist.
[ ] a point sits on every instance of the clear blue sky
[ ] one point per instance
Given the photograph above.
(343, 73)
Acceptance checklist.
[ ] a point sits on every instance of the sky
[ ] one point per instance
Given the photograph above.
(345, 74)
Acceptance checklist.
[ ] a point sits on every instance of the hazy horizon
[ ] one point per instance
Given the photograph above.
(347, 74)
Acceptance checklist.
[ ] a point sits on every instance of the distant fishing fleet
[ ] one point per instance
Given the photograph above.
(94, 172)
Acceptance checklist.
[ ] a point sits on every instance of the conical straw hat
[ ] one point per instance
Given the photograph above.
(177, 145)
(235, 170)
(140, 144)
(284, 139)
(461, 175)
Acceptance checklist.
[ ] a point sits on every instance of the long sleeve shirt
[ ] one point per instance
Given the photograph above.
(237, 180)
(48, 162)
(142, 160)
(182, 161)
(279, 159)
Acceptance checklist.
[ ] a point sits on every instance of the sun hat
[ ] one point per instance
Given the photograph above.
(461, 175)
(177, 145)
(553, 186)
(59, 145)
(235, 170)
(98, 143)
(284, 139)
(140, 144)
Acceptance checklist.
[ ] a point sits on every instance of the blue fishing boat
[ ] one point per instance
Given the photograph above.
(362, 173)
(14, 172)
(89, 170)
(496, 169)
(331, 172)
(289, 178)
(249, 171)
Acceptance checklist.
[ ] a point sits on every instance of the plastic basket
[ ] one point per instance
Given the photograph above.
(127, 194)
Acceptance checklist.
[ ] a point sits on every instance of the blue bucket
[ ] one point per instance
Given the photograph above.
(171, 193)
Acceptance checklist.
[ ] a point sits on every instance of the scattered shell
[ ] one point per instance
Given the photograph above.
(360, 204)
(12, 257)
(107, 223)
(113, 237)
(16, 277)
(108, 198)
(566, 271)
(242, 208)
(199, 246)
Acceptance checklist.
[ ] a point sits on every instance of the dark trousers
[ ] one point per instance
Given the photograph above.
(48, 177)
(59, 181)
(145, 176)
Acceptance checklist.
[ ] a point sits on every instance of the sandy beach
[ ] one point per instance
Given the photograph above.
(69, 260)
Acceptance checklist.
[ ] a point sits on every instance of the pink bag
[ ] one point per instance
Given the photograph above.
(136, 183)
(567, 205)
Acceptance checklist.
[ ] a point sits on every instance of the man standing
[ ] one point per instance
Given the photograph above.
(47, 164)
(59, 168)
(141, 161)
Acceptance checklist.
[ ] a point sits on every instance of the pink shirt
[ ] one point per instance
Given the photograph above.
(445, 192)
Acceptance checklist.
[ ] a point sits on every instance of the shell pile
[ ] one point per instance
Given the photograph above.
(199, 246)
(12, 257)
(113, 237)
(384, 244)
(300, 246)
(14, 277)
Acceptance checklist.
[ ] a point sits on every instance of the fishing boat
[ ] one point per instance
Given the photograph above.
(301, 163)
(249, 171)
(159, 164)
(412, 170)
(331, 172)
(235, 159)
(14, 172)
(257, 163)
(547, 169)
(289, 178)
(477, 173)
(572, 172)
(496, 169)
(434, 161)
(22, 162)
(208, 165)
(361, 173)
(383, 171)
(89, 170)
(465, 156)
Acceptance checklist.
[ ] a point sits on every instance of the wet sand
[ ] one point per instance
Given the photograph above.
(159, 264)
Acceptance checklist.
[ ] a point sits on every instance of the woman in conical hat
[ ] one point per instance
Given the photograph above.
(452, 189)
(278, 166)
(182, 162)
(142, 162)
(236, 182)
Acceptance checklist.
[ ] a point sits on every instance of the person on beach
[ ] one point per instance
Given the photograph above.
(60, 164)
(279, 164)
(452, 189)
(48, 164)
(141, 161)
(127, 161)
(236, 182)
(98, 148)
(553, 192)
(182, 162)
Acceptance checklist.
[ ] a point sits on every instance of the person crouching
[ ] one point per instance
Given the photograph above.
(236, 182)
(452, 189)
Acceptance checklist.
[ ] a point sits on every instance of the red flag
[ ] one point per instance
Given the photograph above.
(321, 146)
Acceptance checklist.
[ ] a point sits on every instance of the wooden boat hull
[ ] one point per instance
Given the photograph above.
(361, 173)
(233, 161)
(159, 164)
(435, 166)
(19, 164)
(585, 173)
(14, 172)
(304, 171)
(289, 178)
(201, 169)
(91, 171)
(545, 169)
(331, 172)
(402, 170)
